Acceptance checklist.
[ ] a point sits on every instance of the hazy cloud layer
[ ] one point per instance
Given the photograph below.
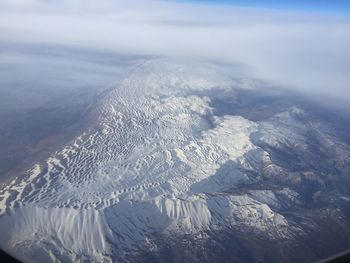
(308, 52)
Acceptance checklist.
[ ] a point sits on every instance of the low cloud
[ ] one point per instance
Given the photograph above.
(303, 51)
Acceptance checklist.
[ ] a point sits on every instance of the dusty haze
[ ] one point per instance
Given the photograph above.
(307, 52)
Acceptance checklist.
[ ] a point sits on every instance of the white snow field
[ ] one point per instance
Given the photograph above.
(155, 159)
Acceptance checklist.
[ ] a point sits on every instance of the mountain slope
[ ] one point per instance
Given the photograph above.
(158, 161)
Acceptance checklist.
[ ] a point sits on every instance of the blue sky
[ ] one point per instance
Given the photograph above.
(341, 7)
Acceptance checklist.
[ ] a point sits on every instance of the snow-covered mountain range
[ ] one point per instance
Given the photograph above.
(163, 172)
